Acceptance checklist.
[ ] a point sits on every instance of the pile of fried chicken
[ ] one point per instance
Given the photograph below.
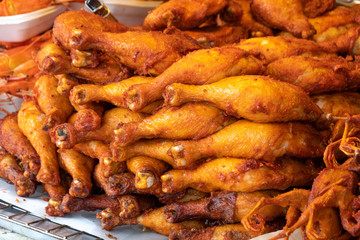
(215, 119)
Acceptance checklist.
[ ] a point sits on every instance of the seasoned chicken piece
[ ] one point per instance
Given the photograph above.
(271, 48)
(314, 8)
(112, 92)
(252, 140)
(182, 14)
(11, 172)
(66, 136)
(66, 83)
(85, 120)
(190, 121)
(284, 15)
(16, 144)
(155, 220)
(241, 175)
(152, 52)
(31, 121)
(230, 207)
(147, 172)
(199, 67)
(80, 168)
(52, 59)
(257, 98)
(56, 107)
(66, 22)
(317, 74)
(336, 104)
(215, 36)
(247, 20)
(101, 151)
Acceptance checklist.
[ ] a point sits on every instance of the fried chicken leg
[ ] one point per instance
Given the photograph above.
(199, 67)
(190, 121)
(253, 140)
(219, 175)
(257, 98)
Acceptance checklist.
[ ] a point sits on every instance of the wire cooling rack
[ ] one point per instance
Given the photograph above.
(22, 221)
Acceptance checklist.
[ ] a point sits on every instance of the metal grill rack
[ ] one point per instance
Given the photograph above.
(21, 221)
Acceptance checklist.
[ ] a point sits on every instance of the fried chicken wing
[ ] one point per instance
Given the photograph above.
(240, 175)
(214, 36)
(155, 220)
(10, 171)
(253, 140)
(182, 14)
(56, 107)
(272, 48)
(199, 67)
(147, 172)
(66, 22)
(80, 168)
(16, 144)
(317, 75)
(101, 151)
(152, 52)
(284, 15)
(230, 207)
(257, 98)
(66, 136)
(190, 121)
(52, 59)
(31, 121)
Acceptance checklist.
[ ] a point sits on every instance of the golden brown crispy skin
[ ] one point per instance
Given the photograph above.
(215, 36)
(272, 48)
(16, 144)
(10, 171)
(257, 98)
(182, 14)
(314, 8)
(152, 52)
(52, 59)
(253, 140)
(222, 232)
(317, 74)
(31, 121)
(101, 151)
(66, 83)
(190, 121)
(240, 175)
(80, 167)
(336, 104)
(199, 67)
(56, 107)
(147, 172)
(284, 15)
(247, 20)
(66, 22)
(56, 194)
(229, 207)
(112, 92)
(85, 120)
(66, 136)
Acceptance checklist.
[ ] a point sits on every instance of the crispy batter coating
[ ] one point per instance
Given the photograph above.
(317, 74)
(314, 8)
(240, 175)
(86, 119)
(80, 167)
(66, 22)
(199, 67)
(56, 107)
(230, 207)
(12, 172)
(31, 121)
(66, 136)
(190, 121)
(246, 139)
(257, 98)
(182, 14)
(152, 52)
(284, 15)
(16, 144)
